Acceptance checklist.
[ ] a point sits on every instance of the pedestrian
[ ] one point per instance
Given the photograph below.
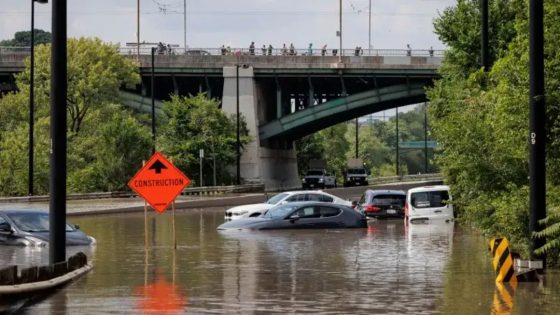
(270, 49)
(252, 49)
(169, 51)
(324, 50)
(160, 48)
(223, 50)
(228, 51)
(284, 50)
(292, 49)
(310, 49)
(431, 51)
(357, 51)
(263, 50)
(408, 50)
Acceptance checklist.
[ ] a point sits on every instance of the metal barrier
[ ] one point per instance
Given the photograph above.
(193, 191)
(131, 50)
(403, 178)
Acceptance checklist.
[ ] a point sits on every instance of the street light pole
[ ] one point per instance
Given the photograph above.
(185, 24)
(340, 29)
(369, 30)
(138, 30)
(31, 97)
(238, 142)
(153, 105)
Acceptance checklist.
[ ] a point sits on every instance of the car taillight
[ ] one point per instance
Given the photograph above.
(370, 208)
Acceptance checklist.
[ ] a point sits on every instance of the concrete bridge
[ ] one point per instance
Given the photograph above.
(283, 96)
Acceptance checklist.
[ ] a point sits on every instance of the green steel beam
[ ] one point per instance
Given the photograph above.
(141, 103)
(314, 118)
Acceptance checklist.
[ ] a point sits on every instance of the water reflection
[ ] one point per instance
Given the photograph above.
(385, 269)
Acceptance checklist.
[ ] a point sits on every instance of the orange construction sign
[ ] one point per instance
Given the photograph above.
(159, 182)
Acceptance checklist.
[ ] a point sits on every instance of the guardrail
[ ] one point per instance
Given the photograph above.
(403, 178)
(193, 191)
(213, 51)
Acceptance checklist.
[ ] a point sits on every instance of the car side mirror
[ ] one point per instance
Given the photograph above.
(294, 218)
(5, 228)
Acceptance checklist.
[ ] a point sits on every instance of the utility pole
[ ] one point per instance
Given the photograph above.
(369, 30)
(484, 35)
(397, 139)
(57, 182)
(537, 115)
(138, 30)
(357, 141)
(185, 24)
(340, 30)
(425, 138)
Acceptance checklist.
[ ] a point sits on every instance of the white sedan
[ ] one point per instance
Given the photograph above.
(254, 210)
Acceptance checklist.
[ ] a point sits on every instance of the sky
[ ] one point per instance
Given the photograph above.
(212, 23)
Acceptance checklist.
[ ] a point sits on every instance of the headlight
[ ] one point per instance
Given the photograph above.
(33, 241)
(92, 240)
(320, 180)
(347, 178)
(303, 180)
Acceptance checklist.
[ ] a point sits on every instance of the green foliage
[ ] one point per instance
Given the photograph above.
(106, 144)
(23, 38)
(195, 123)
(480, 120)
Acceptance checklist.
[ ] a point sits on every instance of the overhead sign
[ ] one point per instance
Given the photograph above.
(159, 182)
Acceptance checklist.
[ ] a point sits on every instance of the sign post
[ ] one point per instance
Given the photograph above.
(159, 182)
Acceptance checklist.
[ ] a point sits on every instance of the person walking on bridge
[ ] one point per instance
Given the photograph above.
(292, 49)
(310, 49)
(252, 49)
(263, 50)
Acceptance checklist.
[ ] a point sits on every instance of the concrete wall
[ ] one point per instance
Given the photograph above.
(277, 168)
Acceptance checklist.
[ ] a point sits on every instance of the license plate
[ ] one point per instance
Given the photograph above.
(391, 211)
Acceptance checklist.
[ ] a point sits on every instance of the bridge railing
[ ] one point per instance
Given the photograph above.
(265, 51)
(129, 50)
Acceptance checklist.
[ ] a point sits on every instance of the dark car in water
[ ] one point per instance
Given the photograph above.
(382, 203)
(298, 215)
(31, 228)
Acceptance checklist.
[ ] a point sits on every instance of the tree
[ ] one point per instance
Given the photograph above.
(95, 73)
(106, 144)
(23, 38)
(480, 120)
(194, 123)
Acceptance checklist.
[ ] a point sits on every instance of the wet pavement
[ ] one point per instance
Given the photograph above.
(384, 269)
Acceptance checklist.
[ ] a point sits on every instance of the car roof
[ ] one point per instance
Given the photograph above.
(428, 188)
(312, 203)
(17, 211)
(295, 192)
(386, 192)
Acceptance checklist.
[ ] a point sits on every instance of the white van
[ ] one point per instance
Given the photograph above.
(428, 203)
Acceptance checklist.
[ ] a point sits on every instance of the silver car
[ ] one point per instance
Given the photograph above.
(31, 228)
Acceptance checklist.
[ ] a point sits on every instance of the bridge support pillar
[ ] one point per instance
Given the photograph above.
(277, 168)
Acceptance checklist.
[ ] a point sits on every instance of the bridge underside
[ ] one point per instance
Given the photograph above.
(320, 116)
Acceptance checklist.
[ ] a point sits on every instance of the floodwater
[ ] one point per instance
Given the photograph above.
(385, 269)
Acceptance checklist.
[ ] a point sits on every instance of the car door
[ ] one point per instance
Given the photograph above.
(329, 217)
(304, 217)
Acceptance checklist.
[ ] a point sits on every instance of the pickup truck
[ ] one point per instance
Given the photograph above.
(318, 178)
(355, 173)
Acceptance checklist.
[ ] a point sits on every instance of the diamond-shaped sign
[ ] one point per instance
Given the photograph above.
(159, 182)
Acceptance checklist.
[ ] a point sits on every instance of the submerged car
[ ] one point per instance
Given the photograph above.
(301, 215)
(429, 203)
(31, 228)
(254, 210)
(382, 203)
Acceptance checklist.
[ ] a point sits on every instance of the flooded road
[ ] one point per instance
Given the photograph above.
(385, 269)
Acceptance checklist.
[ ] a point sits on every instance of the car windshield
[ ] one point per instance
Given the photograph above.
(314, 173)
(388, 200)
(34, 222)
(276, 199)
(430, 199)
(279, 212)
(356, 171)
